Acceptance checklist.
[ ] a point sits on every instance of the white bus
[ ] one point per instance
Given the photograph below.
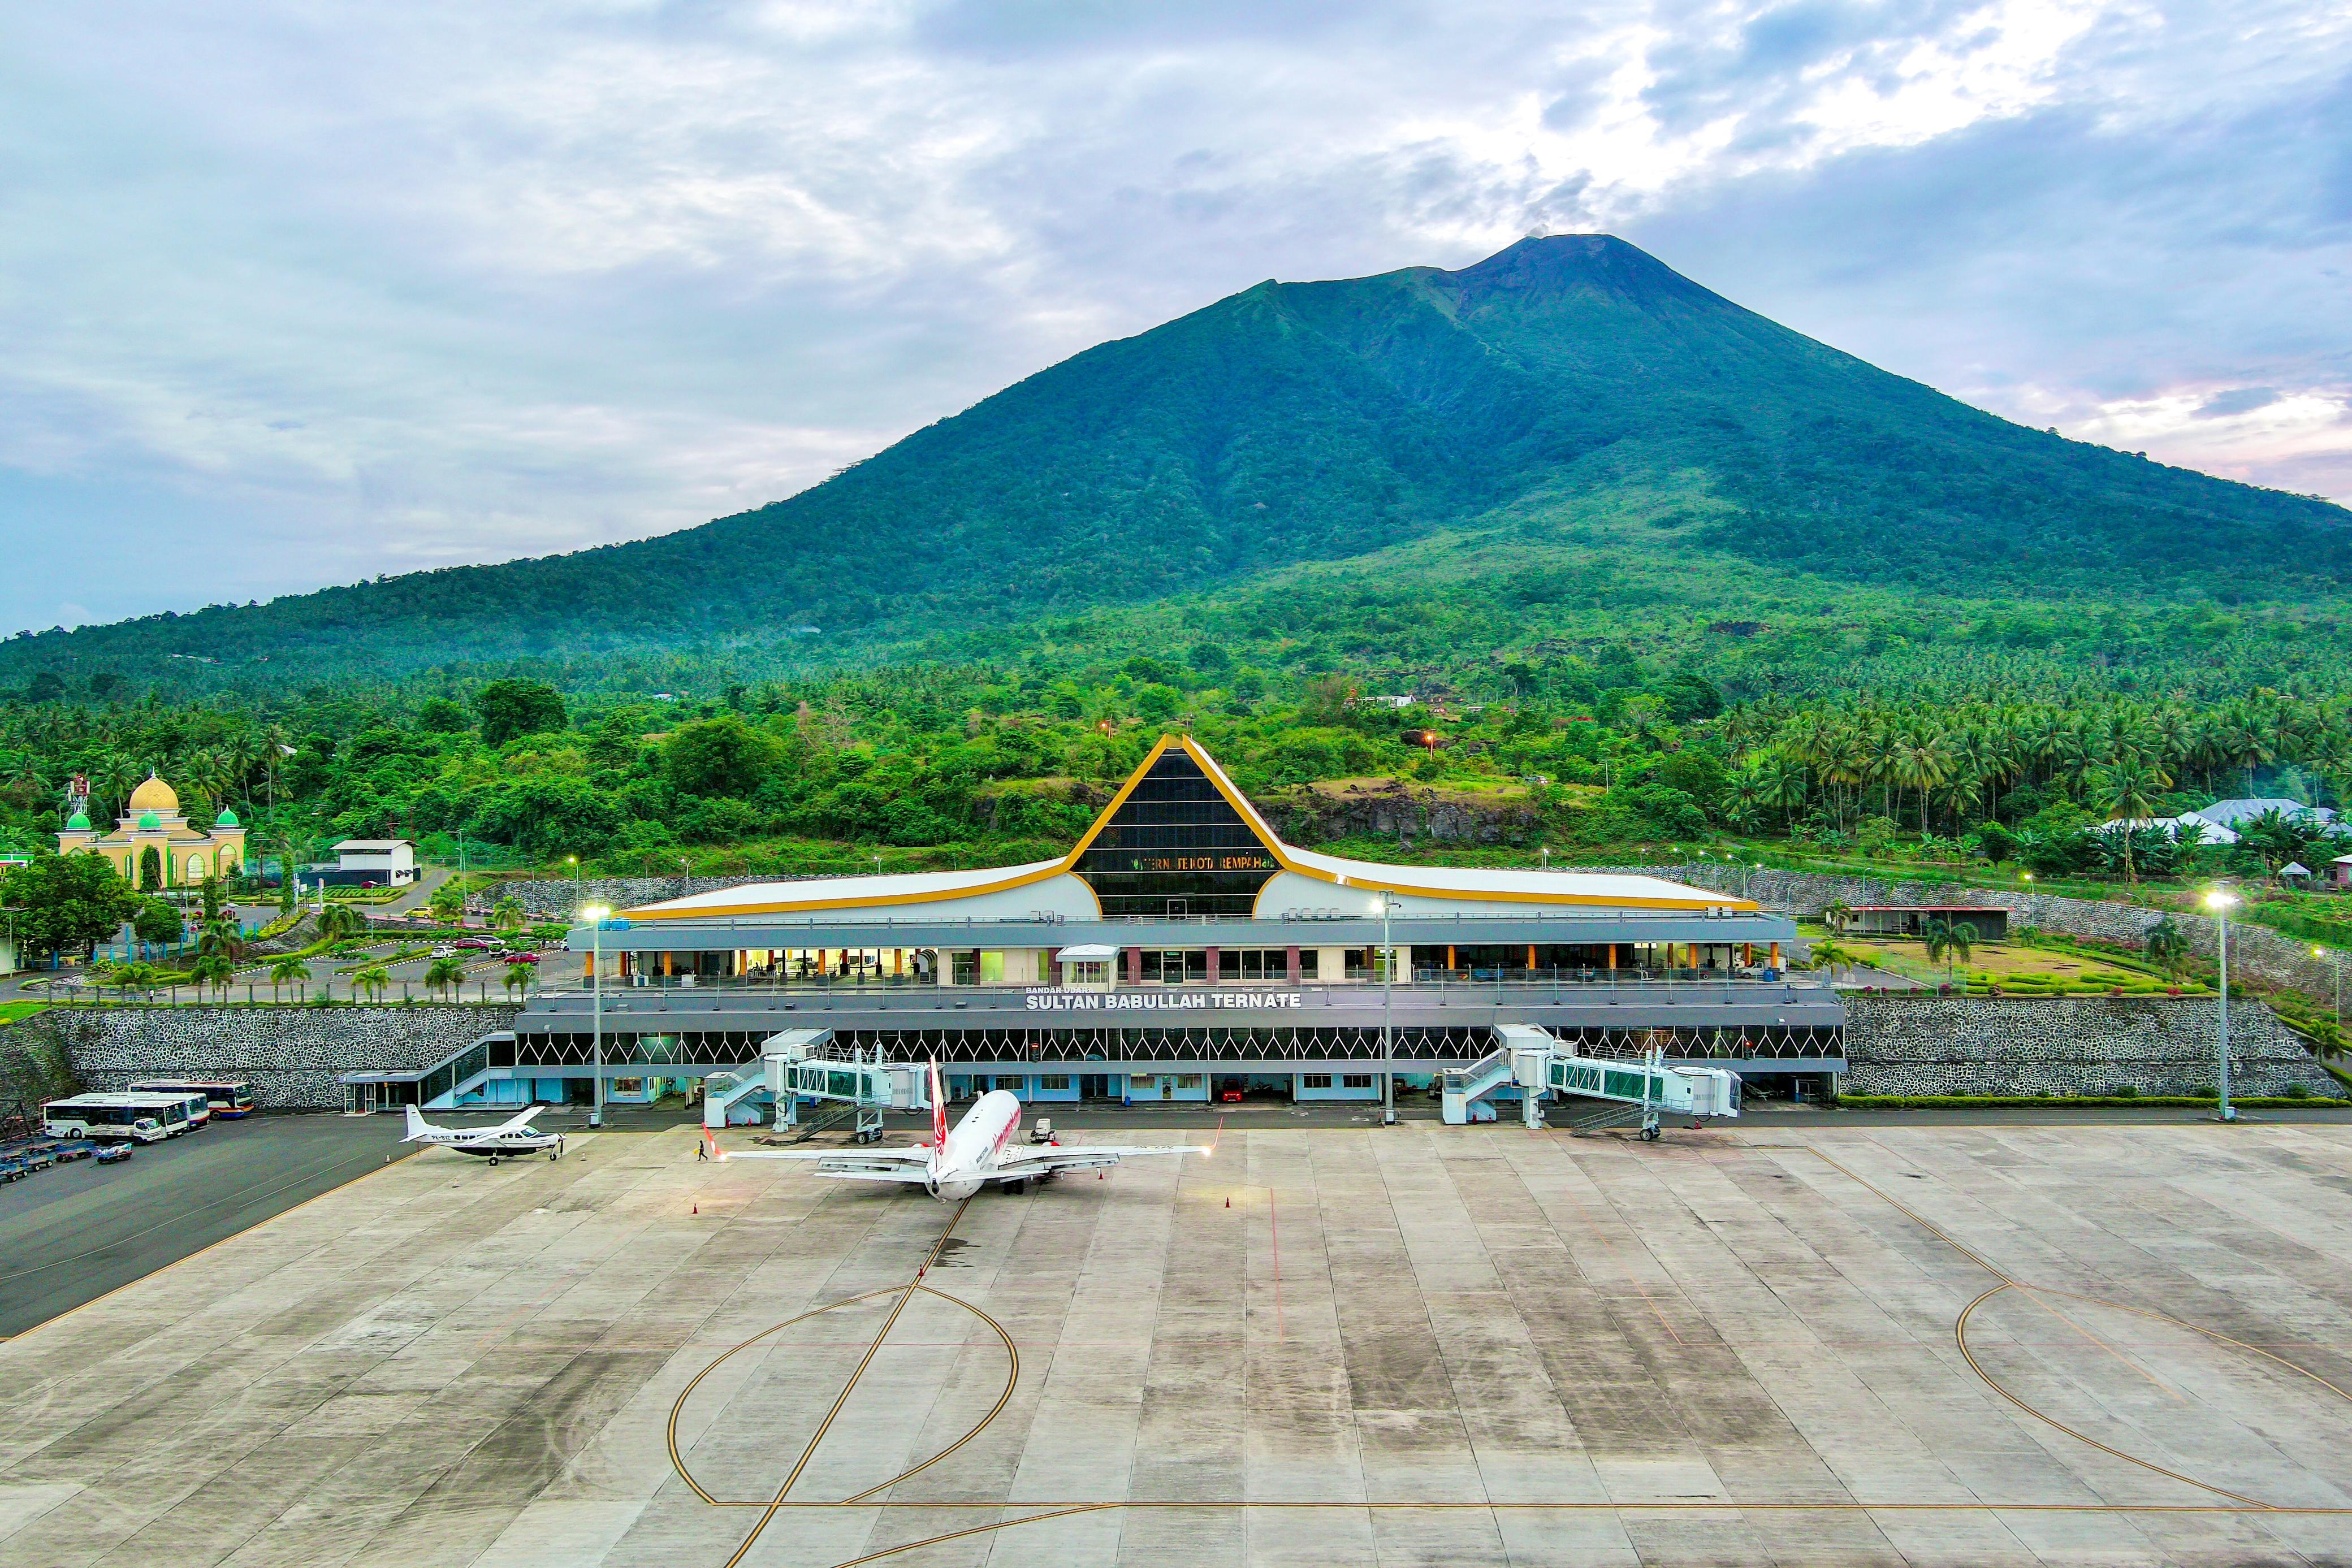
(195, 1102)
(112, 1116)
(227, 1098)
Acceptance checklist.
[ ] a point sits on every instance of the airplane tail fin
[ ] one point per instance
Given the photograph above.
(938, 1110)
(417, 1125)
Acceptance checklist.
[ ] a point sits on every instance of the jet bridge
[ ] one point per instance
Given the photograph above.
(1542, 1067)
(852, 1086)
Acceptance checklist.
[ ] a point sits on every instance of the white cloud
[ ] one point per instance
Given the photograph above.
(299, 293)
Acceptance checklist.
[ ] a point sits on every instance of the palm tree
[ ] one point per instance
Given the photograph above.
(238, 754)
(114, 778)
(2126, 791)
(341, 920)
(519, 975)
(444, 973)
(508, 914)
(1837, 914)
(224, 938)
(274, 742)
(1947, 938)
(2166, 947)
(214, 970)
(287, 971)
(373, 979)
(1921, 763)
(1828, 954)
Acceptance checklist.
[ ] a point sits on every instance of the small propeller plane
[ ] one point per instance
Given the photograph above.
(508, 1140)
(958, 1162)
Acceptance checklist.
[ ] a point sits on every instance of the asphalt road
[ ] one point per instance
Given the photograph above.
(75, 1231)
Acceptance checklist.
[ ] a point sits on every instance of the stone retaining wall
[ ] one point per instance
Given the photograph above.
(2255, 951)
(291, 1054)
(558, 898)
(2069, 1045)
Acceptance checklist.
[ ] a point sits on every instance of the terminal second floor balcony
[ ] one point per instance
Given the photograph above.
(1732, 980)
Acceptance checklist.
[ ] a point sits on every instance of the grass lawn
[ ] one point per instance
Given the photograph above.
(12, 1011)
(2013, 967)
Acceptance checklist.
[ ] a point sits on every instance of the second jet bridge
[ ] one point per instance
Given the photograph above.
(1539, 1066)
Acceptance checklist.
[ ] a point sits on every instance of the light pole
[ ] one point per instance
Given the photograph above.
(2218, 903)
(598, 917)
(2336, 961)
(1387, 1002)
(573, 862)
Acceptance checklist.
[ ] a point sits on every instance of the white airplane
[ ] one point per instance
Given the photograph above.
(958, 1162)
(508, 1140)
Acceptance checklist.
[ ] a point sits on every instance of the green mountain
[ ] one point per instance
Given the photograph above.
(1567, 439)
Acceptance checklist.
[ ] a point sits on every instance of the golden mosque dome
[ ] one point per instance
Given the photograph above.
(154, 796)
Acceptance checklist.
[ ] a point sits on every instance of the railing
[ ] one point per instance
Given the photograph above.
(1599, 915)
(1423, 979)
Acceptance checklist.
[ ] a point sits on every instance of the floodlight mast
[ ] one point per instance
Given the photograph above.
(2219, 902)
(597, 914)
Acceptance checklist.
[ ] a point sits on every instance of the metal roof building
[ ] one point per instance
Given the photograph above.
(1178, 947)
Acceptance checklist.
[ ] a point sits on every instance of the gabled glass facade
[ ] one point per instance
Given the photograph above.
(1176, 848)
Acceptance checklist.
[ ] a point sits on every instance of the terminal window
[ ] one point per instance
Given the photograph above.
(1052, 1082)
(1355, 1081)
(1314, 1081)
(1176, 847)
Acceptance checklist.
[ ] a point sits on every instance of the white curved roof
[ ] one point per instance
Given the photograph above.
(842, 892)
(1473, 881)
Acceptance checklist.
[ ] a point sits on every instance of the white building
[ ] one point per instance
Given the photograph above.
(387, 863)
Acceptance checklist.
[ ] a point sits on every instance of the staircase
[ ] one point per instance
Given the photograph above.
(1612, 1115)
(721, 1090)
(1462, 1087)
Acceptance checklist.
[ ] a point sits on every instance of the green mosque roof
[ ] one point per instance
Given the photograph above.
(228, 819)
(150, 821)
(78, 822)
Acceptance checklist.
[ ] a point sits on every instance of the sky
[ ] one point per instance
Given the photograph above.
(297, 294)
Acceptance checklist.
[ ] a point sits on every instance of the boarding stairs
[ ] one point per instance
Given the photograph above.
(724, 1093)
(1461, 1089)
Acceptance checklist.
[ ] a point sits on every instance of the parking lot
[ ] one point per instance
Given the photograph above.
(1785, 1343)
(75, 1231)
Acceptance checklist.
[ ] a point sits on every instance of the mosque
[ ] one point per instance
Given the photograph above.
(153, 824)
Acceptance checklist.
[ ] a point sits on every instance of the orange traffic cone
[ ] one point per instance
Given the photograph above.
(697, 1208)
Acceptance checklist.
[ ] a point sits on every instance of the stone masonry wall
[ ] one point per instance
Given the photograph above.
(558, 898)
(2069, 1045)
(291, 1053)
(2254, 950)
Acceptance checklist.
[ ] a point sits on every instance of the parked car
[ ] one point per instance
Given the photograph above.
(147, 1129)
(443, 951)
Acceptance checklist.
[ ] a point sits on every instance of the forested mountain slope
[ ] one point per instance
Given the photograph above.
(1572, 391)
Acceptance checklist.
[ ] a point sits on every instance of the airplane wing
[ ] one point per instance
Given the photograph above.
(850, 1165)
(1044, 1159)
(915, 1156)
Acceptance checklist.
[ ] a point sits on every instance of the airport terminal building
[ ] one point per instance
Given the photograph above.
(1180, 948)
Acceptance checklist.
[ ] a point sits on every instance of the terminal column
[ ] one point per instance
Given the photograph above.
(1290, 963)
(1213, 966)
(1135, 965)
